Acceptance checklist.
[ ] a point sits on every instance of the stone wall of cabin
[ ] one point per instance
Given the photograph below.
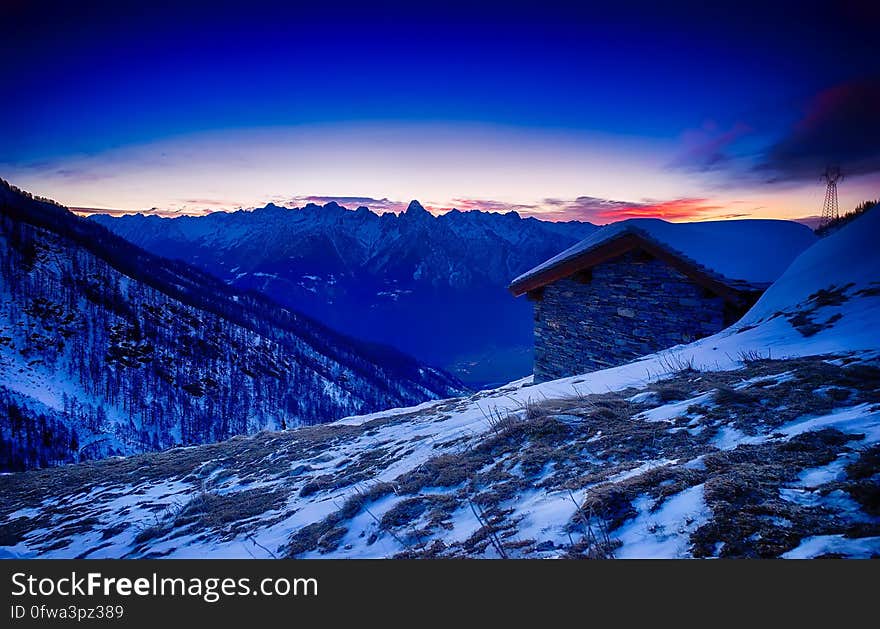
(620, 310)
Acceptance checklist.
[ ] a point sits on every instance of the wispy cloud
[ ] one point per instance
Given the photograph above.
(63, 170)
(79, 175)
(709, 147)
(583, 208)
(379, 206)
(225, 203)
(487, 205)
(673, 209)
(836, 126)
(599, 210)
(88, 211)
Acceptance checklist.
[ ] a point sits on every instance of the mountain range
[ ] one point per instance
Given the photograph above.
(432, 286)
(106, 349)
(760, 441)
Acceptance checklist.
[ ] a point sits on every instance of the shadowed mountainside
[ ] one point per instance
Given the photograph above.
(107, 349)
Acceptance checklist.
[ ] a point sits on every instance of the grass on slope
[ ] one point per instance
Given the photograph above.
(616, 457)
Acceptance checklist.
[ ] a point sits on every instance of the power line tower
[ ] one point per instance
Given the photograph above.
(830, 209)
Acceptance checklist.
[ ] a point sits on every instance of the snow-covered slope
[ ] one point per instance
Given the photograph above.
(845, 261)
(761, 441)
(755, 251)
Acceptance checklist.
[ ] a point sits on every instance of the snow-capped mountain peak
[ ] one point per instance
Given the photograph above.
(415, 210)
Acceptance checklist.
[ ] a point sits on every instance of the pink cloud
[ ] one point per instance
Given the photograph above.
(599, 210)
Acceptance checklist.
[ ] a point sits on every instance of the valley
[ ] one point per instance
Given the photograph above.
(434, 287)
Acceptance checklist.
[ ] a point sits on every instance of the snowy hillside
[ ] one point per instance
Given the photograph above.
(432, 286)
(760, 441)
(108, 350)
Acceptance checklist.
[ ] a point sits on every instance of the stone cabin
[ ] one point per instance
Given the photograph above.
(639, 286)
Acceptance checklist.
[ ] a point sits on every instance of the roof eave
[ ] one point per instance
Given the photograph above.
(607, 250)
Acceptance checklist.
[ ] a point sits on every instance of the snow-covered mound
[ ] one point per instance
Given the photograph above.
(755, 251)
(847, 259)
(761, 441)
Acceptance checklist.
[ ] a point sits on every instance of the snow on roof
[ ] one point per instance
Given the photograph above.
(756, 251)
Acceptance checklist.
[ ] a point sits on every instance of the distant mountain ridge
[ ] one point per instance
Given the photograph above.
(108, 349)
(433, 286)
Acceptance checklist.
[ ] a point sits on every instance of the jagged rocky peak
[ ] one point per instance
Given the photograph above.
(415, 210)
(331, 207)
(271, 208)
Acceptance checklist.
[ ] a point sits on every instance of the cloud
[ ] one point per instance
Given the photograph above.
(88, 211)
(674, 209)
(708, 148)
(583, 208)
(599, 210)
(63, 170)
(213, 202)
(379, 206)
(841, 126)
(725, 217)
(79, 174)
(490, 205)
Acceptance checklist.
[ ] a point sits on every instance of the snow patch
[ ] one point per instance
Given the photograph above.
(663, 533)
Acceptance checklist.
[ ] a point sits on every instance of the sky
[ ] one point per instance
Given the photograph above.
(591, 112)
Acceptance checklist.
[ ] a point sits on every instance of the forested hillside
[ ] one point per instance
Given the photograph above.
(106, 349)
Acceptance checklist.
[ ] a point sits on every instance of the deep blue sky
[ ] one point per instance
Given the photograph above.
(88, 81)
